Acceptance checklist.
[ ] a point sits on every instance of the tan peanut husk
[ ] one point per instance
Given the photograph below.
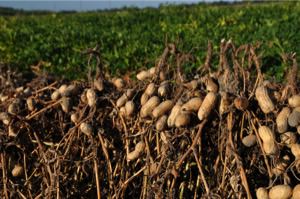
(86, 128)
(137, 152)
(207, 105)
(270, 148)
(126, 96)
(211, 85)
(144, 98)
(17, 170)
(294, 101)
(161, 123)
(55, 95)
(62, 89)
(149, 106)
(296, 192)
(174, 112)
(249, 140)
(129, 108)
(262, 193)
(83, 97)
(123, 111)
(264, 100)
(98, 84)
(152, 71)
(280, 192)
(121, 101)
(295, 149)
(119, 83)
(282, 120)
(163, 89)
(266, 134)
(75, 118)
(91, 97)
(69, 90)
(294, 117)
(143, 75)
(150, 89)
(182, 119)
(192, 105)
(162, 108)
(66, 104)
(30, 103)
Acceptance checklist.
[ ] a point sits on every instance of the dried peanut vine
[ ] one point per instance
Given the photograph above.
(220, 133)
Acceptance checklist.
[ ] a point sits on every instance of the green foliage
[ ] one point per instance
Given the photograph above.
(133, 38)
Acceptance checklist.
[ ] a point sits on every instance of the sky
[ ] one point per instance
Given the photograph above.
(82, 5)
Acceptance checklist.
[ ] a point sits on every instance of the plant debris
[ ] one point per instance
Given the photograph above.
(225, 133)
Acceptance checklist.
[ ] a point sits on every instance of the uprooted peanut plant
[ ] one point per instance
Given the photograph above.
(225, 133)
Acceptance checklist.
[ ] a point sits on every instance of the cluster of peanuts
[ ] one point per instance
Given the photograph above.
(287, 128)
(155, 103)
(167, 113)
(27, 103)
(169, 105)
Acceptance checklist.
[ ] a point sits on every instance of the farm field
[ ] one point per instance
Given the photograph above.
(131, 38)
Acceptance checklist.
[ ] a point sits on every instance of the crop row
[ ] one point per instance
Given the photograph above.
(132, 38)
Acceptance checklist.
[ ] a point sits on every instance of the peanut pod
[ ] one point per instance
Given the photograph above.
(207, 105)
(138, 151)
(282, 120)
(294, 101)
(264, 100)
(162, 108)
(174, 112)
(280, 192)
(192, 105)
(148, 107)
